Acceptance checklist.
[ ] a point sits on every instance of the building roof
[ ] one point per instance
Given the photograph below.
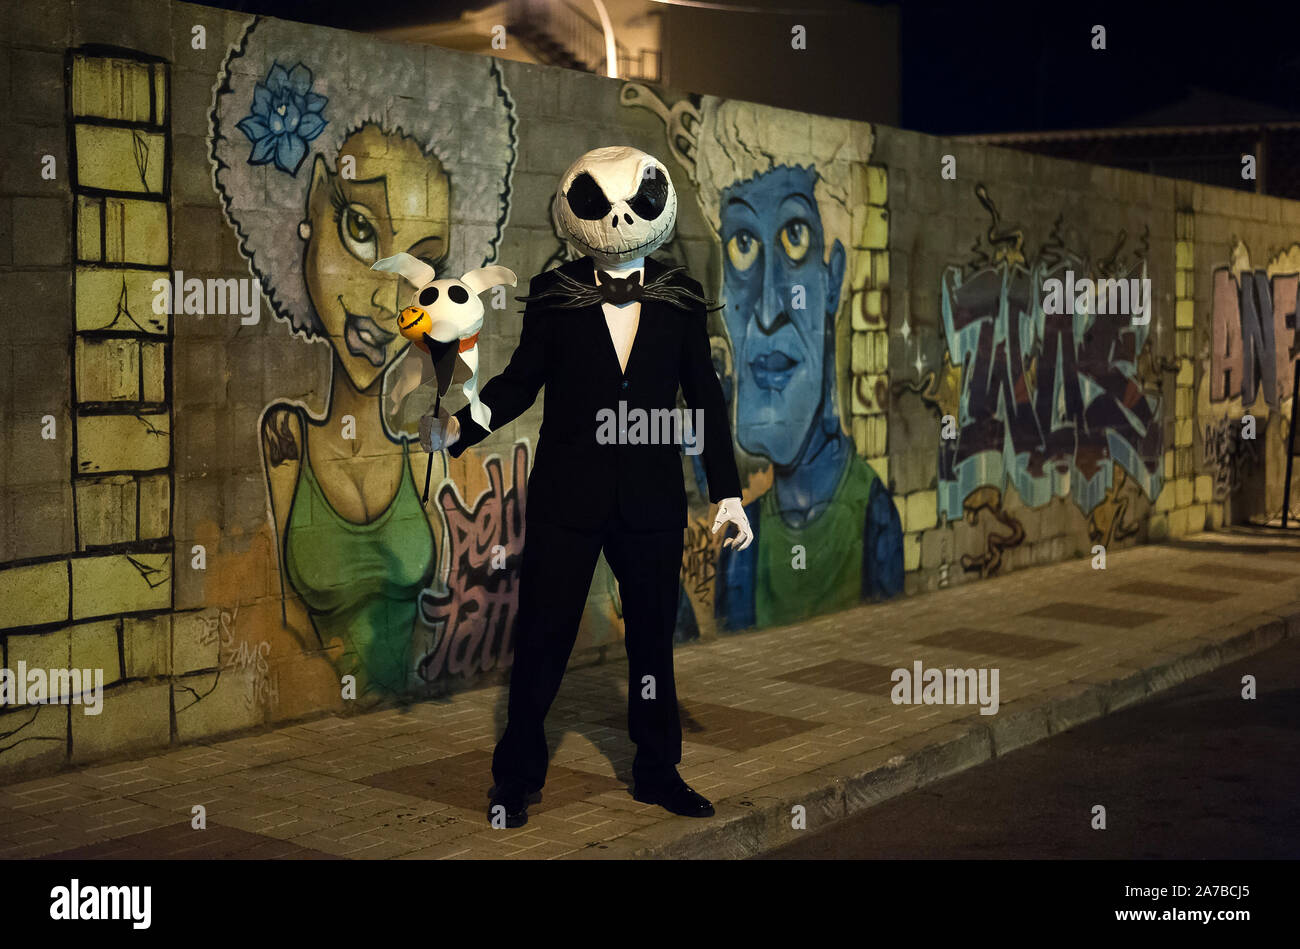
(1206, 107)
(1201, 112)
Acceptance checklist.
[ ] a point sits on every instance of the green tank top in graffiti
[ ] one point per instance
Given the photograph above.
(361, 582)
(831, 578)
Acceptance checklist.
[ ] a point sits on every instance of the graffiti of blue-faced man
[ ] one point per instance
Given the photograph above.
(828, 533)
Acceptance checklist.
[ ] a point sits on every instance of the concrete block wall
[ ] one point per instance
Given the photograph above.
(221, 513)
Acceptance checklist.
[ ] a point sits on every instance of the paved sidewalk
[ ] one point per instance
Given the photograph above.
(796, 715)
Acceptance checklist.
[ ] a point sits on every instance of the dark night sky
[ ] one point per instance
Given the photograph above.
(984, 67)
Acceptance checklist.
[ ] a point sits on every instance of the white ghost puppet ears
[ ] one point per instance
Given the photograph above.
(485, 278)
(412, 268)
(418, 273)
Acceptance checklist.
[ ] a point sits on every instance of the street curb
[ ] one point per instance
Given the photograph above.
(759, 821)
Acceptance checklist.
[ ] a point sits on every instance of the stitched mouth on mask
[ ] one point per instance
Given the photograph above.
(366, 338)
(651, 242)
(773, 370)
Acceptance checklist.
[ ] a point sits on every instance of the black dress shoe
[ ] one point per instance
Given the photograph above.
(515, 801)
(678, 798)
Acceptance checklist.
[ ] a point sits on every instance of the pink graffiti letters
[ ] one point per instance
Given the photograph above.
(474, 615)
(1253, 335)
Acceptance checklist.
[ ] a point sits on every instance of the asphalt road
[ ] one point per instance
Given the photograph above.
(1195, 772)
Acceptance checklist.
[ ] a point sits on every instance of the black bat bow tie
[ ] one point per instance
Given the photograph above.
(666, 288)
(620, 290)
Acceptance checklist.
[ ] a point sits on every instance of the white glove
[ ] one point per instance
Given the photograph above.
(437, 433)
(731, 511)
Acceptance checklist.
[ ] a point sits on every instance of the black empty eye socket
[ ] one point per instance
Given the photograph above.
(586, 200)
(428, 296)
(652, 197)
(458, 294)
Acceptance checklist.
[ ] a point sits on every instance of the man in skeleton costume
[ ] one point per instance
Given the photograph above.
(612, 327)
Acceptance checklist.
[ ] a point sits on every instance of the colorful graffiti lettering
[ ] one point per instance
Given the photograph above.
(1253, 333)
(1048, 404)
(474, 618)
(1252, 355)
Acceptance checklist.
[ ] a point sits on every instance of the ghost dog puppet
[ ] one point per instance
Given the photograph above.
(444, 319)
(613, 334)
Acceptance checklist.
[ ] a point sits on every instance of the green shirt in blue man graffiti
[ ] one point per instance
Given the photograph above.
(816, 567)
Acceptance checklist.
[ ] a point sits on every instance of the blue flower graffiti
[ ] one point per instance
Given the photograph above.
(286, 116)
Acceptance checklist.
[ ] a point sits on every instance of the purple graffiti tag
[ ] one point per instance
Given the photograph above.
(1049, 403)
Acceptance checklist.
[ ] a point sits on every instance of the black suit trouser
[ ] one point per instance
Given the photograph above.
(555, 576)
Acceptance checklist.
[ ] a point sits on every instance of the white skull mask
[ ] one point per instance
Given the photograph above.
(616, 204)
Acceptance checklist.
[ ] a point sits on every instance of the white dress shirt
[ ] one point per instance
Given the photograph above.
(623, 320)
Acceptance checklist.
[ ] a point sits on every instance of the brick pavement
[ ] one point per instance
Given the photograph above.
(773, 718)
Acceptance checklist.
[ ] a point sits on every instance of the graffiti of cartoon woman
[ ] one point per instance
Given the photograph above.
(325, 164)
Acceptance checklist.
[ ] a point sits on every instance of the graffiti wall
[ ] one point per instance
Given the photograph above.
(1049, 405)
(214, 491)
(1245, 416)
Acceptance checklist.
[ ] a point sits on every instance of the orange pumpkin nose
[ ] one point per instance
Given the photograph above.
(413, 323)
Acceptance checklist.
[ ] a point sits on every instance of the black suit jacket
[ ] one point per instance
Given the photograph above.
(576, 481)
